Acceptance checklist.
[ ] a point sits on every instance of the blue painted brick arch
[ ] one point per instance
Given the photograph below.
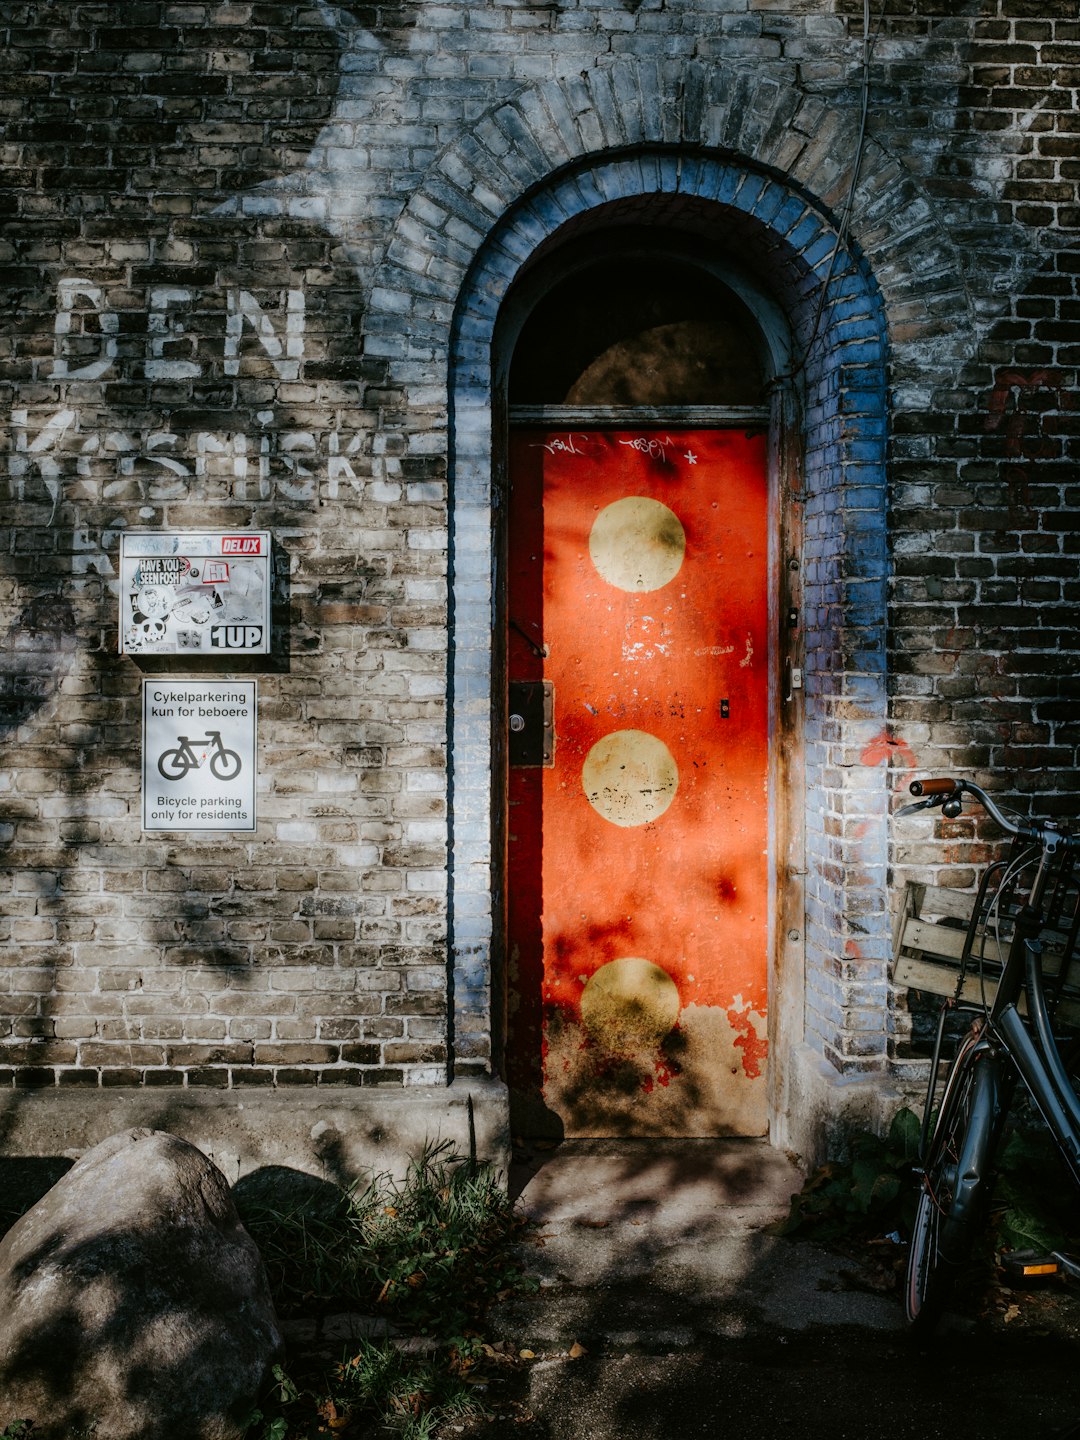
(789, 243)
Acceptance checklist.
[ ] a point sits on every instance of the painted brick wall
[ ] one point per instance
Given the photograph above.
(169, 166)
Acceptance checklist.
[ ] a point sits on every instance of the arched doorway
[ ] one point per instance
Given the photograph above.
(645, 515)
(829, 996)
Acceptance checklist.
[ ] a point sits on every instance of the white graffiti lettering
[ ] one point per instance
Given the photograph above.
(566, 446)
(172, 350)
(649, 445)
(46, 450)
(67, 293)
(242, 306)
(168, 465)
(166, 329)
(27, 453)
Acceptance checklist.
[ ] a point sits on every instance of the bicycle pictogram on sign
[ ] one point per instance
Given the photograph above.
(175, 764)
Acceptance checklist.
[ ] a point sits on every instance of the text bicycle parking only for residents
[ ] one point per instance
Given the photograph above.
(199, 754)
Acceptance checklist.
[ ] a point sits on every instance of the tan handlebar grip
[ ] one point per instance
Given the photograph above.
(933, 787)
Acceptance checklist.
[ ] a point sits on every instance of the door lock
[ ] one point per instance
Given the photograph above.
(532, 723)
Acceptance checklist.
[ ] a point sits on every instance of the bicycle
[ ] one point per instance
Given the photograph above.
(175, 764)
(1032, 893)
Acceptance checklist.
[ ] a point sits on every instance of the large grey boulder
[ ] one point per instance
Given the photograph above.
(133, 1304)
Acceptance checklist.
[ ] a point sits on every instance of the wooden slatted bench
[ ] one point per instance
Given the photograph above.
(929, 941)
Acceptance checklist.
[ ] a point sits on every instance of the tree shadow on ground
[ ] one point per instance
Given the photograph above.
(688, 1314)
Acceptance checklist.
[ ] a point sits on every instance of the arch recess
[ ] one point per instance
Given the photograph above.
(612, 147)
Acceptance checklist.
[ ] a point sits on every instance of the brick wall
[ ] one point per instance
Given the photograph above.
(315, 951)
(172, 167)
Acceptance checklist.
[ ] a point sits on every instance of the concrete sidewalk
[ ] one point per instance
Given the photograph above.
(651, 1242)
(666, 1309)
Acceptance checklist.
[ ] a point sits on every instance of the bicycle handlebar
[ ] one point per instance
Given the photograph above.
(933, 787)
(943, 791)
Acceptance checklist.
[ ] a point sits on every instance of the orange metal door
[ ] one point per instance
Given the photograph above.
(638, 833)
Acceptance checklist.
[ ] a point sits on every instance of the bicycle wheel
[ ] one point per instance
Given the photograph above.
(225, 764)
(955, 1183)
(173, 764)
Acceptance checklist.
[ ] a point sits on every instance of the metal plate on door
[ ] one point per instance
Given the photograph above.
(532, 723)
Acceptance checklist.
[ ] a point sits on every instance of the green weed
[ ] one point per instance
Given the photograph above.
(874, 1191)
(1034, 1204)
(871, 1192)
(428, 1254)
(407, 1395)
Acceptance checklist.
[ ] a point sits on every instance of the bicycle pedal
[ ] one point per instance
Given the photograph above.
(1027, 1267)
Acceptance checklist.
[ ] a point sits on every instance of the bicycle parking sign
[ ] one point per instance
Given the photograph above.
(199, 754)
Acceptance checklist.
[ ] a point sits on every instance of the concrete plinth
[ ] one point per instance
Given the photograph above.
(336, 1136)
(821, 1109)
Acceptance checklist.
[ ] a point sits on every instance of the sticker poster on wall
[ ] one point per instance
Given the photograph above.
(201, 593)
(199, 760)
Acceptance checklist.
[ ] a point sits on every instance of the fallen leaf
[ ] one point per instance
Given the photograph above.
(577, 1350)
(526, 1354)
(1011, 1313)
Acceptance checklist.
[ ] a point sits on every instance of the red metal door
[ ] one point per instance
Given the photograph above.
(637, 850)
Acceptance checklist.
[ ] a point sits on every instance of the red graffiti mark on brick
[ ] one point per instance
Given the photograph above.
(1016, 410)
(1008, 381)
(885, 747)
(853, 950)
(754, 1047)
(952, 648)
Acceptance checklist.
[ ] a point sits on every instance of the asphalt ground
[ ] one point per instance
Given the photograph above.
(668, 1308)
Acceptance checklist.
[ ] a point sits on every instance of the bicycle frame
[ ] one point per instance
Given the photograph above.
(959, 1143)
(1010, 1048)
(989, 1109)
(1006, 1051)
(1038, 1061)
(1034, 1052)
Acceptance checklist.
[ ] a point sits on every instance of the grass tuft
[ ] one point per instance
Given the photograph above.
(427, 1255)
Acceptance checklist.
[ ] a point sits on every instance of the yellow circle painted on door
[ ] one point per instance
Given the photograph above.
(630, 777)
(629, 1003)
(637, 544)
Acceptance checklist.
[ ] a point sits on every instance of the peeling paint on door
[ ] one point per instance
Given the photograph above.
(637, 873)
